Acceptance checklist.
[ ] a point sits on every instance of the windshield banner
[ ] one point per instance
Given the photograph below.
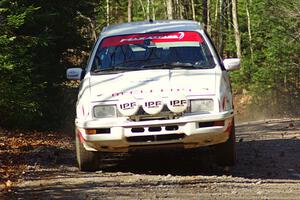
(152, 37)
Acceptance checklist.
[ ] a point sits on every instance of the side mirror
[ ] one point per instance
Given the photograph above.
(75, 73)
(231, 64)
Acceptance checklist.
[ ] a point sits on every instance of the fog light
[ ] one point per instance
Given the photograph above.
(90, 131)
(219, 123)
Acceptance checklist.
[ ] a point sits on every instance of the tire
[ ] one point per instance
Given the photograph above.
(226, 152)
(88, 161)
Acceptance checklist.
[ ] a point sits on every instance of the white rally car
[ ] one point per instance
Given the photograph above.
(150, 85)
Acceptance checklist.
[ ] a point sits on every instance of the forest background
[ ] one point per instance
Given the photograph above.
(40, 39)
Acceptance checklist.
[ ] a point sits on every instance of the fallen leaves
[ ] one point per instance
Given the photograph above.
(8, 184)
(19, 149)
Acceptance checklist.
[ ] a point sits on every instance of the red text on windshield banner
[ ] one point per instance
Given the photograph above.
(153, 37)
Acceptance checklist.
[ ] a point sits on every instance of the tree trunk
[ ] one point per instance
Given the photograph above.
(148, 10)
(216, 22)
(129, 10)
(249, 32)
(204, 13)
(236, 29)
(169, 9)
(208, 25)
(193, 10)
(153, 9)
(226, 27)
(107, 12)
(180, 10)
(230, 53)
(221, 29)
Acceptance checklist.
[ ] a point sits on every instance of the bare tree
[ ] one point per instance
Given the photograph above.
(226, 26)
(204, 13)
(208, 25)
(193, 10)
(178, 9)
(107, 12)
(216, 12)
(148, 10)
(153, 9)
(129, 10)
(236, 29)
(169, 9)
(221, 29)
(249, 31)
(216, 24)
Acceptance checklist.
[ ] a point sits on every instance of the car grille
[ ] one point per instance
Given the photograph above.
(155, 138)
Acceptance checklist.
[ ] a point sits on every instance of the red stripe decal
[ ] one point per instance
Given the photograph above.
(154, 37)
(81, 138)
(229, 127)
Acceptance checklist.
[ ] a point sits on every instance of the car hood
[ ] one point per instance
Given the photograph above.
(145, 83)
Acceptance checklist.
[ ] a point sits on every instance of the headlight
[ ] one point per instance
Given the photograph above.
(203, 105)
(105, 111)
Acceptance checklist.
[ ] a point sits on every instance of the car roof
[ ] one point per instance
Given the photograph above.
(151, 26)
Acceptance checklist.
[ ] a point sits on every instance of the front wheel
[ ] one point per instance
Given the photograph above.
(226, 152)
(87, 160)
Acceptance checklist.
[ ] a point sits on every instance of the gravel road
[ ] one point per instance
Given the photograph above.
(268, 168)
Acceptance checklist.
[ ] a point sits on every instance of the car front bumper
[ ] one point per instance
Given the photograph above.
(187, 132)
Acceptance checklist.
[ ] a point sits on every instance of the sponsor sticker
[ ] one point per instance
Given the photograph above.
(153, 106)
(128, 106)
(187, 36)
(177, 103)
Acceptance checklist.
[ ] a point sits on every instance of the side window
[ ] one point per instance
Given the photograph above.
(216, 51)
(90, 55)
(102, 59)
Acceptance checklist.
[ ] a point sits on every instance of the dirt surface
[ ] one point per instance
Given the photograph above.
(42, 166)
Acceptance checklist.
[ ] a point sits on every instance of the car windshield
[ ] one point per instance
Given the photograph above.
(153, 51)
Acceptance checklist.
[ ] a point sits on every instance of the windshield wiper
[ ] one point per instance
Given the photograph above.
(106, 69)
(176, 65)
(115, 69)
(183, 65)
(155, 66)
(187, 65)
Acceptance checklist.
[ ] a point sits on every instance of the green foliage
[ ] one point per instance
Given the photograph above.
(273, 77)
(35, 37)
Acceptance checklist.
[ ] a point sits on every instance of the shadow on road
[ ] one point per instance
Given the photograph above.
(264, 159)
